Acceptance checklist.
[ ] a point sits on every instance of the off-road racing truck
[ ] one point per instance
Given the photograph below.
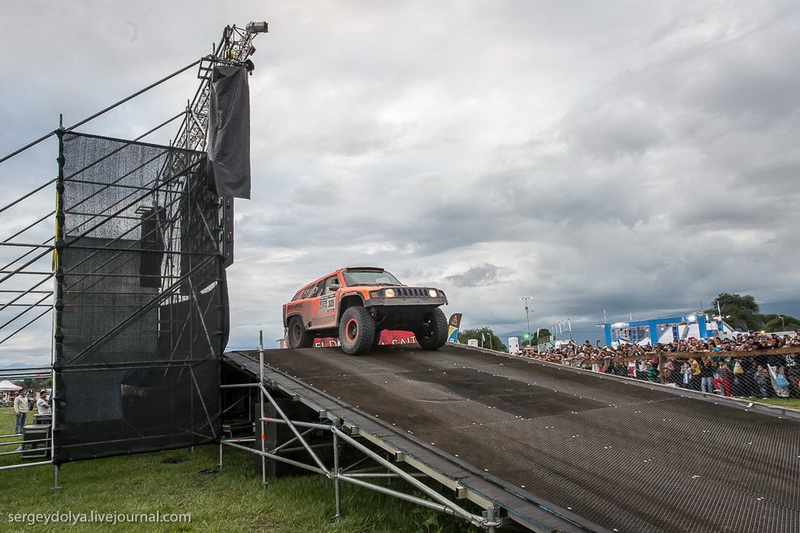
(357, 303)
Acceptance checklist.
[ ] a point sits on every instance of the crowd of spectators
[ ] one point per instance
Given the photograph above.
(740, 365)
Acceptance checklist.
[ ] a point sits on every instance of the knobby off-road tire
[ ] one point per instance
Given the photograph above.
(356, 330)
(432, 334)
(298, 336)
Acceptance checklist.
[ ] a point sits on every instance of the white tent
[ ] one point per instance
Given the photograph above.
(7, 386)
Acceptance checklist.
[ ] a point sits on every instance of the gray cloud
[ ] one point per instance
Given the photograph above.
(633, 157)
(485, 274)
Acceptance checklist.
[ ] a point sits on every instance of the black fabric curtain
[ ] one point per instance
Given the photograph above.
(229, 132)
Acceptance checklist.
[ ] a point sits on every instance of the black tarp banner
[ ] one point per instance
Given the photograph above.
(229, 132)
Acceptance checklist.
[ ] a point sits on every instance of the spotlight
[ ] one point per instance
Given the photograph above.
(257, 27)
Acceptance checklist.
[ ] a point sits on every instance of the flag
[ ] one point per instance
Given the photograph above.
(454, 324)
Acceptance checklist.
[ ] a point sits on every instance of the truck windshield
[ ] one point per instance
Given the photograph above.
(369, 277)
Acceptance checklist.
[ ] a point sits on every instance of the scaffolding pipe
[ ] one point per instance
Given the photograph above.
(440, 502)
(34, 191)
(380, 475)
(30, 290)
(11, 467)
(473, 519)
(285, 446)
(132, 96)
(261, 412)
(459, 511)
(314, 425)
(29, 308)
(29, 226)
(57, 350)
(107, 109)
(26, 325)
(291, 426)
(269, 455)
(337, 474)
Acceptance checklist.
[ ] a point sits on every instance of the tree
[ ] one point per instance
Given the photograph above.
(542, 335)
(37, 383)
(774, 322)
(485, 337)
(741, 312)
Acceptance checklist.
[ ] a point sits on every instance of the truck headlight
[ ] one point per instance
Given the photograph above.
(389, 293)
(433, 293)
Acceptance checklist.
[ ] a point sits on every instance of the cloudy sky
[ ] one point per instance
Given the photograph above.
(638, 157)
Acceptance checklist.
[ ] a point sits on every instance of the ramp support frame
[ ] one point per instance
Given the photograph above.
(345, 434)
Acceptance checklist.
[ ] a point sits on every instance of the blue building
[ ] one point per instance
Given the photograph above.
(665, 330)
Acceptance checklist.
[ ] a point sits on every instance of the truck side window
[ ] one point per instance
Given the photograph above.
(328, 282)
(319, 288)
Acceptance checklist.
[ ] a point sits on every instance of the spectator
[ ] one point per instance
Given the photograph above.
(723, 381)
(43, 405)
(667, 372)
(652, 371)
(632, 360)
(737, 381)
(707, 375)
(695, 385)
(686, 373)
(762, 380)
(21, 408)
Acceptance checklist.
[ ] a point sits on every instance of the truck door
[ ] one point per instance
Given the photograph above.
(327, 302)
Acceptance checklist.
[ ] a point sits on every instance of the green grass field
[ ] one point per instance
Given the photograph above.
(182, 481)
(791, 403)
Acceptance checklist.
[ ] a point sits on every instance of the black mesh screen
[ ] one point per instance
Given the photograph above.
(144, 311)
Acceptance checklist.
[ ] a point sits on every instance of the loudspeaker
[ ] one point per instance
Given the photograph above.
(36, 432)
(152, 246)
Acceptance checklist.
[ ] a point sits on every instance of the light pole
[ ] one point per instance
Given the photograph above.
(528, 317)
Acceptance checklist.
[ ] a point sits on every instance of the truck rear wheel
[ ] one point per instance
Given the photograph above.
(298, 336)
(356, 330)
(432, 334)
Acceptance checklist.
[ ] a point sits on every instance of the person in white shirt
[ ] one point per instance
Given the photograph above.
(42, 404)
(21, 408)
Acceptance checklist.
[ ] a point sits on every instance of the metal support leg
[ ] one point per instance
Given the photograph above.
(491, 515)
(282, 415)
(261, 410)
(56, 485)
(336, 472)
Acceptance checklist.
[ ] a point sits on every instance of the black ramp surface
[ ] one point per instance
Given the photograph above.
(625, 456)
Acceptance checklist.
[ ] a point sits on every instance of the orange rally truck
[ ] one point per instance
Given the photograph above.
(357, 303)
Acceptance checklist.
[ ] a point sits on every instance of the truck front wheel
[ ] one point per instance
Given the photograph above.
(356, 330)
(432, 334)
